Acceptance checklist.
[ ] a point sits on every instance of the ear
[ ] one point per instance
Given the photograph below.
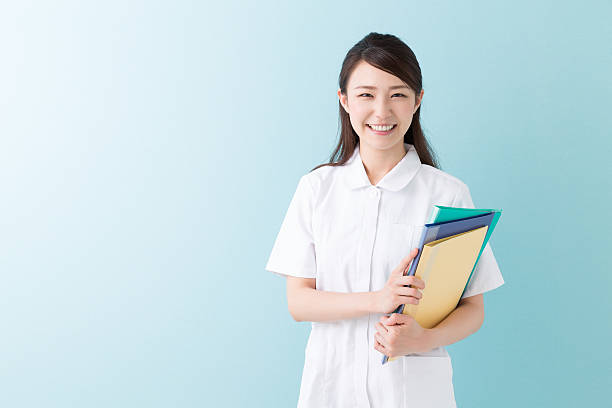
(343, 101)
(419, 98)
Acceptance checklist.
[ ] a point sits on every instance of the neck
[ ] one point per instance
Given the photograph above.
(377, 163)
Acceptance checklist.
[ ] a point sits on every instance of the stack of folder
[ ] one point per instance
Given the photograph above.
(449, 250)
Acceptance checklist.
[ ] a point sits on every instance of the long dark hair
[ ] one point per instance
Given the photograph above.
(392, 55)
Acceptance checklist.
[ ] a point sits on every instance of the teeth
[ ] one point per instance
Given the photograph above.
(381, 128)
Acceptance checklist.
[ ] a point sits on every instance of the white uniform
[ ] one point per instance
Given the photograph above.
(349, 235)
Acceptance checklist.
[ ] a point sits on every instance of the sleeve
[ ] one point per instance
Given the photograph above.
(487, 275)
(293, 252)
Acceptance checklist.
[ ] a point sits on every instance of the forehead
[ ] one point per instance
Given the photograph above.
(365, 74)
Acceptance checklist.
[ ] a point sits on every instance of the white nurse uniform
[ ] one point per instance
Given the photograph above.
(349, 235)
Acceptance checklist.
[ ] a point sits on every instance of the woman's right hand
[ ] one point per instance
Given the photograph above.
(395, 293)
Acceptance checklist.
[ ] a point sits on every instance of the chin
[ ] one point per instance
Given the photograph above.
(381, 143)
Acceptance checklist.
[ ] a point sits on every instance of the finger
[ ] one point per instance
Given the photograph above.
(411, 280)
(381, 348)
(401, 319)
(410, 292)
(381, 339)
(381, 328)
(401, 268)
(387, 322)
(404, 300)
(384, 319)
(398, 318)
(390, 321)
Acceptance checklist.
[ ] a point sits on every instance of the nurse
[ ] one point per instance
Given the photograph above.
(350, 232)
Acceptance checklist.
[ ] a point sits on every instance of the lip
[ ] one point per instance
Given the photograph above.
(376, 132)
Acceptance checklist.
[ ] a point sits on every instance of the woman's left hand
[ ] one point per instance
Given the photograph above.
(399, 334)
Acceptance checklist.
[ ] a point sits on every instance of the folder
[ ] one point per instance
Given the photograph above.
(445, 267)
(453, 228)
(444, 229)
(441, 213)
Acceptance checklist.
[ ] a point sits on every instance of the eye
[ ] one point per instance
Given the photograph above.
(400, 94)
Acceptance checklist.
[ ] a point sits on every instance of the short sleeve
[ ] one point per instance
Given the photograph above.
(293, 252)
(487, 275)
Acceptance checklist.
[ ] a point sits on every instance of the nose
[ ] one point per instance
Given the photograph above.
(382, 108)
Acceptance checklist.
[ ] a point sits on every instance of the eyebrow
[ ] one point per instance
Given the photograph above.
(373, 87)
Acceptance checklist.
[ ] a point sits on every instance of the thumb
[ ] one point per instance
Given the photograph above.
(393, 319)
(398, 318)
(401, 268)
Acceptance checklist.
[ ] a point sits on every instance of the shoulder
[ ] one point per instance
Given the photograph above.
(323, 176)
(438, 179)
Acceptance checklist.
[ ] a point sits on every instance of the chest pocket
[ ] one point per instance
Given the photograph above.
(395, 240)
(400, 239)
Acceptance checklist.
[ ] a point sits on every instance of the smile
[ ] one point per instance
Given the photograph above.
(381, 129)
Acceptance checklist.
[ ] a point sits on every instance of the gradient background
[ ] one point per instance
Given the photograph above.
(149, 151)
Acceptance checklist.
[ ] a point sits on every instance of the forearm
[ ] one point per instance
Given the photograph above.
(465, 320)
(314, 305)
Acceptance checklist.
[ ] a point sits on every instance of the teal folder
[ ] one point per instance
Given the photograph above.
(441, 213)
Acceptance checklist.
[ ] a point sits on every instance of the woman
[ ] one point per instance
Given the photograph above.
(346, 238)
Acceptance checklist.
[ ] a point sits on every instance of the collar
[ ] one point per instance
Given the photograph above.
(396, 179)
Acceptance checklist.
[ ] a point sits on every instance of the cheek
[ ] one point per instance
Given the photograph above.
(403, 110)
(358, 115)
(358, 127)
(356, 105)
(358, 118)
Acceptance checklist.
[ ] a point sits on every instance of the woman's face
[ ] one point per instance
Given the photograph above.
(375, 97)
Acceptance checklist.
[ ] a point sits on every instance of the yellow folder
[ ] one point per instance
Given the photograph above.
(445, 266)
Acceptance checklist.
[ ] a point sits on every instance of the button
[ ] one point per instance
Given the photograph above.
(374, 192)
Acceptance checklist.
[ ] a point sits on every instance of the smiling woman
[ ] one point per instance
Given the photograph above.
(382, 116)
(388, 70)
(348, 236)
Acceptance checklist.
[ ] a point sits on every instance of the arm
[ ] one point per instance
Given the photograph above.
(306, 303)
(465, 320)
(400, 334)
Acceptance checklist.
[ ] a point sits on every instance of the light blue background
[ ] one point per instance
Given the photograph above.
(149, 150)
